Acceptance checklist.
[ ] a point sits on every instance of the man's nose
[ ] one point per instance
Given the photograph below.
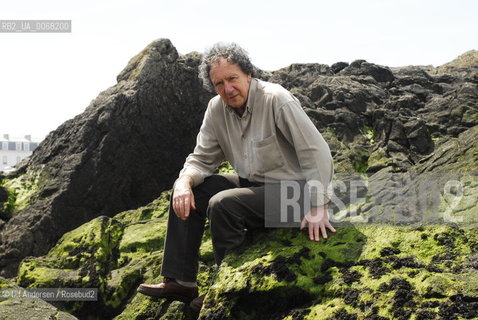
(228, 88)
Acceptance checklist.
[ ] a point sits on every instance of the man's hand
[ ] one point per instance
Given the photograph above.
(318, 220)
(183, 197)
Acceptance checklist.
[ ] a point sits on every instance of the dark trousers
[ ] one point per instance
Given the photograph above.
(231, 204)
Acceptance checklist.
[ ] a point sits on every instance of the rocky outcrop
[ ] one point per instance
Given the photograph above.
(120, 153)
(405, 131)
(364, 271)
(399, 111)
(466, 64)
(361, 272)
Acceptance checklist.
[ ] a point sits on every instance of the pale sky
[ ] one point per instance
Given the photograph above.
(46, 79)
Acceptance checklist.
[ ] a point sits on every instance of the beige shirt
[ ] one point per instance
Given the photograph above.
(274, 140)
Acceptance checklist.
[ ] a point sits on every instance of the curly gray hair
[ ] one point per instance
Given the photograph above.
(232, 52)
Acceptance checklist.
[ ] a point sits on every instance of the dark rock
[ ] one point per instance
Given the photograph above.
(351, 297)
(297, 314)
(320, 94)
(338, 66)
(280, 268)
(418, 137)
(413, 273)
(303, 253)
(304, 100)
(119, 154)
(268, 304)
(376, 268)
(323, 279)
(417, 90)
(404, 102)
(395, 284)
(445, 239)
(299, 75)
(406, 262)
(3, 195)
(473, 261)
(388, 251)
(363, 68)
(4, 214)
(350, 277)
(342, 314)
(412, 74)
(376, 317)
(403, 298)
(444, 256)
(430, 304)
(465, 306)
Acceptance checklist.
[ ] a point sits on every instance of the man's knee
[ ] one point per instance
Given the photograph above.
(220, 204)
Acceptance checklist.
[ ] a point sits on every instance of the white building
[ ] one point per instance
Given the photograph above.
(13, 150)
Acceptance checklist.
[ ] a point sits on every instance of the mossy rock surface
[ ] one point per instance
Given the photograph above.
(20, 191)
(114, 255)
(364, 271)
(361, 272)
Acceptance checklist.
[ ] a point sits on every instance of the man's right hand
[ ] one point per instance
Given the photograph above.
(183, 197)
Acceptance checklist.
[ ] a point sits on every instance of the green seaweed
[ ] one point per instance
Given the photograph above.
(20, 190)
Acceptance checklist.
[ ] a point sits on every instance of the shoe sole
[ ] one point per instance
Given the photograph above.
(167, 296)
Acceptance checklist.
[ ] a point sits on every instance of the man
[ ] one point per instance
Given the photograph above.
(261, 129)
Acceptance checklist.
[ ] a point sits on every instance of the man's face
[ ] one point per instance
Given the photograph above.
(230, 83)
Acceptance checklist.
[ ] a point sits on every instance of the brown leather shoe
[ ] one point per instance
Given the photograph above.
(169, 289)
(196, 304)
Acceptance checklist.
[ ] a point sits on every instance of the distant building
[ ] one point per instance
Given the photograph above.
(13, 150)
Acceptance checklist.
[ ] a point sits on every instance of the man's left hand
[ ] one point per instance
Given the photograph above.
(318, 220)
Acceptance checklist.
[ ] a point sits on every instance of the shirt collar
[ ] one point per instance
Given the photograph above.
(250, 98)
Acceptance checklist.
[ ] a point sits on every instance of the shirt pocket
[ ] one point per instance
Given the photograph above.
(267, 155)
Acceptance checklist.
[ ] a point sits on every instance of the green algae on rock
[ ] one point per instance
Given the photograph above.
(113, 255)
(21, 189)
(363, 270)
(390, 272)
